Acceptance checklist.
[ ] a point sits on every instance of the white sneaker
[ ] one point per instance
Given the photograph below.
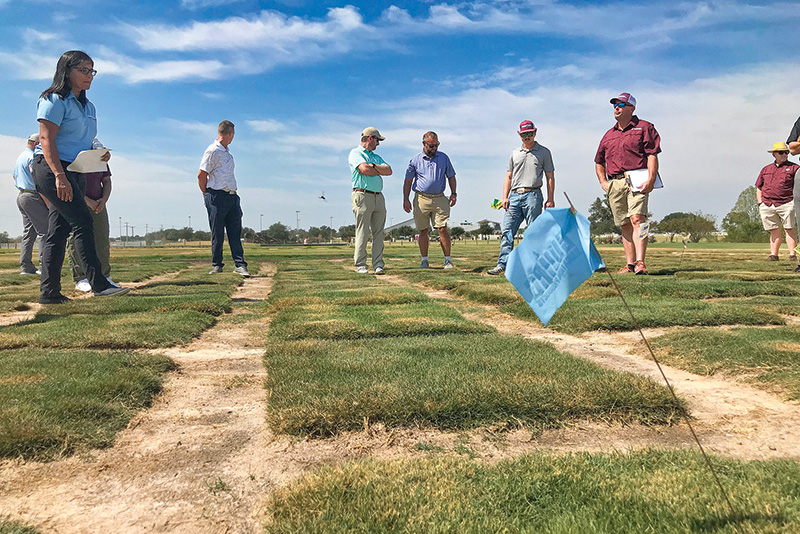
(362, 270)
(113, 283)
(448, 264)
(379, 270)
(84, 286)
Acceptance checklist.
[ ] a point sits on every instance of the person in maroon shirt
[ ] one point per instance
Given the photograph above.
(631, 144)
(775, 196)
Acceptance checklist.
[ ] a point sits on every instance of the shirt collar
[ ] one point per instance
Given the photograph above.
(634, 122)
(216, 142)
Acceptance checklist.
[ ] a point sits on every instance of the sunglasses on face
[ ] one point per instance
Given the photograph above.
(432, 145)
(527, 135)
(620, 105)
(784, 152)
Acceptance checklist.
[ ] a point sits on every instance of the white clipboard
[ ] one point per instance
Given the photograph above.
(89, 161)
(637, 178)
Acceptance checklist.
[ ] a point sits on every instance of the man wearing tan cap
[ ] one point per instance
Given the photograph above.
(369, 208)
(33, 209)
(775, 196)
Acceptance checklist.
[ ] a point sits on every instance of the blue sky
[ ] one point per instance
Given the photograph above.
(301, 79)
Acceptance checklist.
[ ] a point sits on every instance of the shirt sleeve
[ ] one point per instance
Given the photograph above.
(51, 109)
(795, 133)
(449, 171)
(510, 167)
(380, 159)
(600, 155)
(760, 180)
(355, 159)
(209, 162)
(411, 171)
(547, 164)
(652, 141)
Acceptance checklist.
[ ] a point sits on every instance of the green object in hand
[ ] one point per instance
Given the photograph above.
(497, 204)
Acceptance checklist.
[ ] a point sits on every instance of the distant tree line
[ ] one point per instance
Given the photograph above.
(741, 225)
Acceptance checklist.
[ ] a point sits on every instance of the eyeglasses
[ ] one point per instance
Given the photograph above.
(432, 145)
(87, 72)
(784, 152)
(527, 134)
(620, 104)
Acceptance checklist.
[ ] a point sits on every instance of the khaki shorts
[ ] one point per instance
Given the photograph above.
(625, 202)
(775, 217)
(430, 210)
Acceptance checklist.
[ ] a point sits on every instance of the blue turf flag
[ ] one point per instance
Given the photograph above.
(554, 258)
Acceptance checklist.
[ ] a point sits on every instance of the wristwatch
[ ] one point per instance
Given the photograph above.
(373, 165)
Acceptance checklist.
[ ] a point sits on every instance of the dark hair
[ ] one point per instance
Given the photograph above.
(225, 127)
(61, 86)
(429, 134)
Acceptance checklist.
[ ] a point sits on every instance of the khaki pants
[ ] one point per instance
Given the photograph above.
(370, 213)
(101, 243)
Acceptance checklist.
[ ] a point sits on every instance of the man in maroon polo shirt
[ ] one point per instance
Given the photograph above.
(631, 144)
(775, 196)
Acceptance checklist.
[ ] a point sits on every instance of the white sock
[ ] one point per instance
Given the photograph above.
(447, 258)
(424, 258)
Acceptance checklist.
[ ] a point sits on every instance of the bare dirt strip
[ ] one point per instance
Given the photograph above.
(202, 459)
(191, 463)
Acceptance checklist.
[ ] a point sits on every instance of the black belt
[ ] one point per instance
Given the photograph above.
(227, 191)
(366, 191)
(616, 176)
(27, 191)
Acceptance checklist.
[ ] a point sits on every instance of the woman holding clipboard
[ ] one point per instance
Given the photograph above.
(67, 126)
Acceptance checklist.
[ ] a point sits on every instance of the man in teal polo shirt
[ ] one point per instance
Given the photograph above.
(368, 169)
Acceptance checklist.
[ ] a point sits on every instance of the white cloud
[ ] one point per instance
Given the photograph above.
(270, 29)
(266, 126)
(202, 4)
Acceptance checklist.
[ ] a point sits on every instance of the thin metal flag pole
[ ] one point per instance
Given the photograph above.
(669, 386)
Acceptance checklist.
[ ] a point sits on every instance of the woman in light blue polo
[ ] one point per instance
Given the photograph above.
(67, 126)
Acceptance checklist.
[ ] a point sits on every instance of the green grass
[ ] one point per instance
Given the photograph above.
(8, 526)
(321, 387)
(580, 315)
(767, 357)
(651, 492)
(116, 331)
(327, 321)
(58, 402)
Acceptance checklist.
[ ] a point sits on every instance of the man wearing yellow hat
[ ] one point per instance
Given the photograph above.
(775, 196)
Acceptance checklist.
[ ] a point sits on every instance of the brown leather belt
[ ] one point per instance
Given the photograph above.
(366, 191)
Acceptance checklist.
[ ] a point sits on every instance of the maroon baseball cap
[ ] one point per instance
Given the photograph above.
(526, 126)
(624, 97)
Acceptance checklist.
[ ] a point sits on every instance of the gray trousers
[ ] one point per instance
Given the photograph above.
(370, 212)
(34, 221)
(101, 243)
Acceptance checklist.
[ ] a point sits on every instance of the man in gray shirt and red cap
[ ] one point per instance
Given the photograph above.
(522, 189)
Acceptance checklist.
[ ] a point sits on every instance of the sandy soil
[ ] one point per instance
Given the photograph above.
(202, 459)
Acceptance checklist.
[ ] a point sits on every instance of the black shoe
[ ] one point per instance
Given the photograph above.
(59, 299)
(797, 269)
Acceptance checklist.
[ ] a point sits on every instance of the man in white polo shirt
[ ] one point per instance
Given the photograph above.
(218, 184)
